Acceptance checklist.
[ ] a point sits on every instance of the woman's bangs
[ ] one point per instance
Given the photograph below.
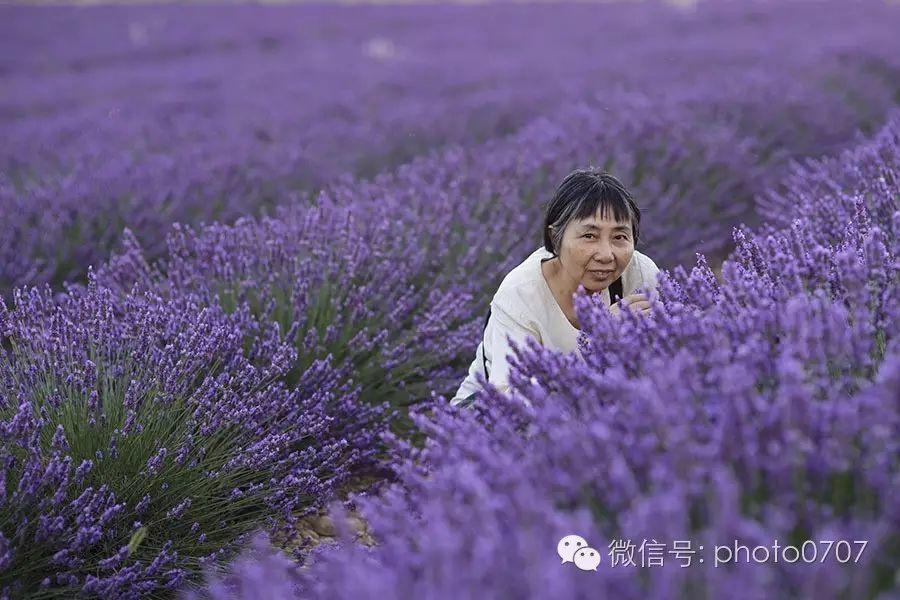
(606, 203)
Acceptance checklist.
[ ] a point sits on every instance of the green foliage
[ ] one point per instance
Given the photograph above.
(214, 519)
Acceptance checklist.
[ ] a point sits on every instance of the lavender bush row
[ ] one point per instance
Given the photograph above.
(816, 189)
(379, 273)
(761, 408)
(139, 442)
(154, 115)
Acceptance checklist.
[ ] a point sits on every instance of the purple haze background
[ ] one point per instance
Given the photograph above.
(143, 116)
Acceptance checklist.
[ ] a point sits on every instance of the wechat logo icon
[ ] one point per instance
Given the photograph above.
(575, 549)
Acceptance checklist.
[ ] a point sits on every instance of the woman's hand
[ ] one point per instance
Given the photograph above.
(634, 302)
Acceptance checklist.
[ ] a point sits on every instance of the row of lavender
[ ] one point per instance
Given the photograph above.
(139, 440)
(378, 274)
(762, 410)
(145, 116)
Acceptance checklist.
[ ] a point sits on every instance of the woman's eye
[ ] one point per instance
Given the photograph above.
(589, 235)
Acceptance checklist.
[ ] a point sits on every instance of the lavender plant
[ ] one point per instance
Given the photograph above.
(761, 408)
(139, 442)
(816, 190)
(260, 571)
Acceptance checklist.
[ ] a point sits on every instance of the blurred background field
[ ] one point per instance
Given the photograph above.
(142, 116)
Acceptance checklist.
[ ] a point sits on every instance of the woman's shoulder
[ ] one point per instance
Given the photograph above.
(520, 289)
(641, 273)
(524, 275)
(645, 262)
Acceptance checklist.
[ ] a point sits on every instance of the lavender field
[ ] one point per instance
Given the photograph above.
(245, 257)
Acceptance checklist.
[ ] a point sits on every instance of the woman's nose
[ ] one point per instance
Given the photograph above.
(604, 253)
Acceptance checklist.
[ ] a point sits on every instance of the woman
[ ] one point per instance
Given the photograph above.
(590, 230)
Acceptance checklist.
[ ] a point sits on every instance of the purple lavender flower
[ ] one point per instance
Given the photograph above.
(761, 408)
(180, 372)
(259, 572)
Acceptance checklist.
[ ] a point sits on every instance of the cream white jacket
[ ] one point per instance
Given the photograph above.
(524, 306)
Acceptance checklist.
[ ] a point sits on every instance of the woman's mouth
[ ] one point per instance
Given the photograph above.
(602, 273)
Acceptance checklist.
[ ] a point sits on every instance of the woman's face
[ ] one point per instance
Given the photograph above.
(596, 250)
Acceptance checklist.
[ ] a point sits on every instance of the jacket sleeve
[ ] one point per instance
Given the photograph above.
(505, 327)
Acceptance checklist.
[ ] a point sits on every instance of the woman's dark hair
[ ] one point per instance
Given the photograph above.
(579, 196)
